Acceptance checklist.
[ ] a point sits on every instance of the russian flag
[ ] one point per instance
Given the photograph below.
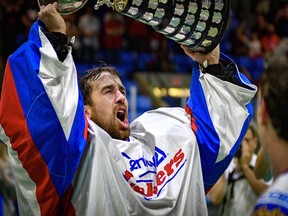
(43, 124)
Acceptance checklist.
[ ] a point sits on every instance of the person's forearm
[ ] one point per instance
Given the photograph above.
(257, 185)
(217, 192)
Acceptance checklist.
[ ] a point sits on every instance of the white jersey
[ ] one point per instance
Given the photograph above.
(275, 200)
(161, 167)
(65, 164)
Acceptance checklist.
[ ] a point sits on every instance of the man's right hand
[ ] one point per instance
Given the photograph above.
(52, 18)
(211, 58)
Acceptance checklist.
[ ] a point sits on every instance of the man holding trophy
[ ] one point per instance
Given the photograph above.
(72, 148)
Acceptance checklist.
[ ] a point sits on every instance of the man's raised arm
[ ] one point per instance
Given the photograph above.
(220, 109)
(42, 118)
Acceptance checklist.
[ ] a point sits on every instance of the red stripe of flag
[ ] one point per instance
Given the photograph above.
(14, 123)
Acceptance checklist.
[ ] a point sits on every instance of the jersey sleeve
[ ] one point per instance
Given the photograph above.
(42, 122)
(220, 114)
(274, 201)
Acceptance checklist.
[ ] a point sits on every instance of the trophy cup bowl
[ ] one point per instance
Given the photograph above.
(198, 24)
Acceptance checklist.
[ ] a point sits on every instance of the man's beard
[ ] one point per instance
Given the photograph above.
(111, 128)
(119, 134)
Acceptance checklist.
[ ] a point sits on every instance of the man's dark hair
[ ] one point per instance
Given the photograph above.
(92, 75)
(274, 90)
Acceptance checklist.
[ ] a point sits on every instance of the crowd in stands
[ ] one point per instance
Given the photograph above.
(255, 29)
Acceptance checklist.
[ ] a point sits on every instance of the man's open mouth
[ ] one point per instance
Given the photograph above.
(121, 114)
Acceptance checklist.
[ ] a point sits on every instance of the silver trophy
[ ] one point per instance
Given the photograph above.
(65, 7)
(198, 24)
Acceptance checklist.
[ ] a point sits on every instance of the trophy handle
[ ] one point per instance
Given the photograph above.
(117, 5)
(99, 3)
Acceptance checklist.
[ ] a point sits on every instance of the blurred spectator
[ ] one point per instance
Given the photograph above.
(260, 25)
(282, 20)
(240, 43)
(242, 8)
(11, 17)
(28, 17)
(114, 41)
(237, 190)
(280, 51)
(72, 31)
(263, 7)
(137, 35)
(89, 27)
(270, 40)
(158, 46)
(254, 44)
(7, 184)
